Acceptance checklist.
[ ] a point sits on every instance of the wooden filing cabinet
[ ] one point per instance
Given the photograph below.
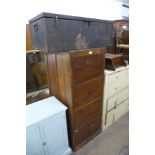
(76, 78)
(116, 95)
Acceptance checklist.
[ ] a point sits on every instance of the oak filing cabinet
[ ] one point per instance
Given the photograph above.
(46, 129)
(76, 78)
(116, 95)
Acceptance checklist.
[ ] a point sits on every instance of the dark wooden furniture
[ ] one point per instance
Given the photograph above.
(76, 78)
(122, 37)
(36, 77)
(59, 33)
(28, 38)
(112, 61)
(124, 49)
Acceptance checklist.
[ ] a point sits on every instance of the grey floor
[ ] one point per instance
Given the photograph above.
(113, 141)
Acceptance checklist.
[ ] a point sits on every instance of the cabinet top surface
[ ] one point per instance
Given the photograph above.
(43, 109)
(106, 71)
(68, 17)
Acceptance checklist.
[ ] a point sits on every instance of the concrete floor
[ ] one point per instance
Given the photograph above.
(113, 141)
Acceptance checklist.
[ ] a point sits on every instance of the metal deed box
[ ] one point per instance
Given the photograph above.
(59, 33)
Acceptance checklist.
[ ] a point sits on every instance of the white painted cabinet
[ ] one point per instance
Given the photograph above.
(33, 141)
(116, 95)
(46, 132)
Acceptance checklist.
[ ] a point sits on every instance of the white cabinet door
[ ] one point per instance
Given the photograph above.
(54, 135)
(33, 141)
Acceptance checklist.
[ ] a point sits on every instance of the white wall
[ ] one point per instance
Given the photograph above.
(102, 9)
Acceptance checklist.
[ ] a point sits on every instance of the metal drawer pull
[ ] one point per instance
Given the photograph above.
(115, 104)
(44, 143)
(116, 88)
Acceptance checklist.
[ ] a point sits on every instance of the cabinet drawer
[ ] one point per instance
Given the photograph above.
(115, 87)
(87, 67)
(118, 98)
(88, 114)
(87, 92)
(84, 134)
(110, 118)
(118, 77)
(122, 109)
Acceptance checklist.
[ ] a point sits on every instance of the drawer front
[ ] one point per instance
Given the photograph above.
(115, 87)
(86, 133)
(110, 118)
(87, 92)
(87, 67)
(118, 98)
(89, 113)
(118, 76)
(122, 109)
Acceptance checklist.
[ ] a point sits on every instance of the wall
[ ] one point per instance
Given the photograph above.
(102, 9)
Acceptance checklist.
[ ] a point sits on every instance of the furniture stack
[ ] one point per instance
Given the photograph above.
(75, 49)
(116, 95)
(78, 84)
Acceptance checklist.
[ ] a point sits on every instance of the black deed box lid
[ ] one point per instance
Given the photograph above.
(68, 17)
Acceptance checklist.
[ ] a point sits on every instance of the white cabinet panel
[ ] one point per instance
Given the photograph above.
(116, 77)
(122, 109)
(110, 117)
(47, 128)
(116, 95)
(54, 135)
(115, 87)
(118, 98)
(33, 141)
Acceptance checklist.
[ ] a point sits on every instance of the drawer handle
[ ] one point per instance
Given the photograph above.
(44, 143)
(116, 88)
(117, 77)
(115, 104)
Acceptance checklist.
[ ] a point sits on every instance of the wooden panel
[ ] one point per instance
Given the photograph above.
(64, 78)
(87, 114)
(88, 91)
(52, 74)
(86, 67)
(85, 134)
(28, 38)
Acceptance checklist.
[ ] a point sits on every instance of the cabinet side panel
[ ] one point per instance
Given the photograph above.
(65, 88)
(52, 74)
(64, 79)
